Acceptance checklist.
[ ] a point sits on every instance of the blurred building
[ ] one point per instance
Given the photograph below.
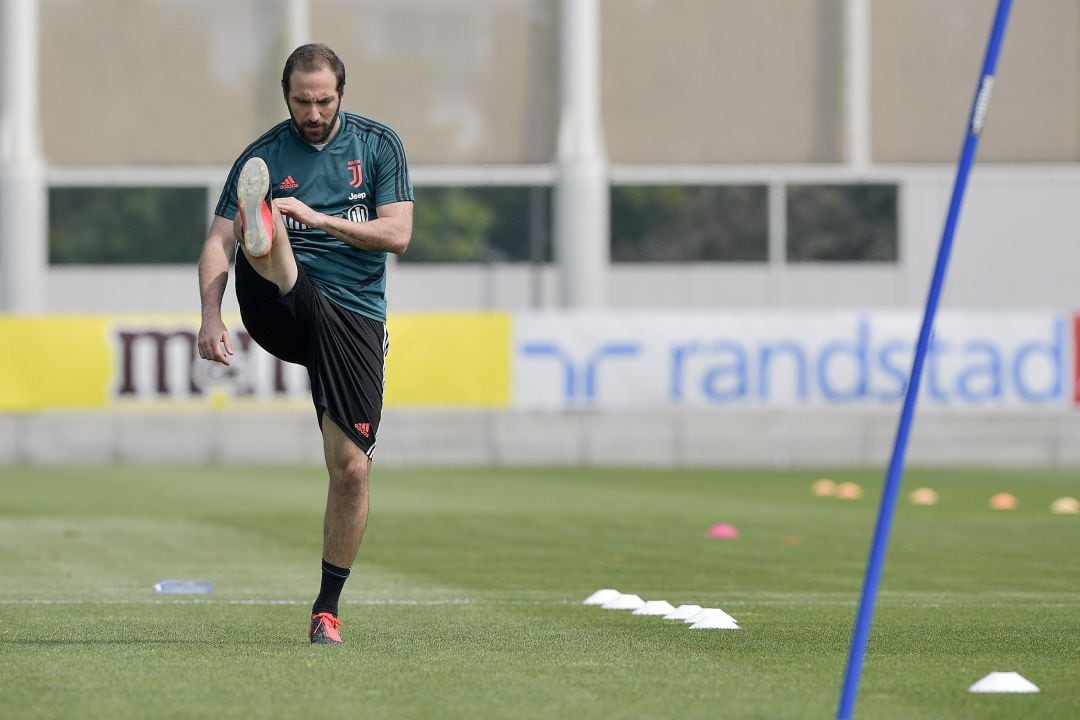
(731, 129)
(160, 82)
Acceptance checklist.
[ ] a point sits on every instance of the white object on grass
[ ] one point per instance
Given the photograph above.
(713, 619)
(683, 612)
(624, 602)
(707, 613)
(655, 607)
(1004, 682)
(601, 596)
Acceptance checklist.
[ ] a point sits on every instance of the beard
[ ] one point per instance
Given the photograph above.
(318, 132)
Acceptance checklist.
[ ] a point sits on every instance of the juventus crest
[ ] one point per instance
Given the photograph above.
(356, 173)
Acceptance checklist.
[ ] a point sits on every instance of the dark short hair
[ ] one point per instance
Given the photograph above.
(310, 58)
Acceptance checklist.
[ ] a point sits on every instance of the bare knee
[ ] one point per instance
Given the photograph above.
(349, 480)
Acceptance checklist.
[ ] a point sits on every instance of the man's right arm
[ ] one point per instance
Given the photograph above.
(214, 342)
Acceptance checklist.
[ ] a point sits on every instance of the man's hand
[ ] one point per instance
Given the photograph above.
(299, 212)
(214, 342)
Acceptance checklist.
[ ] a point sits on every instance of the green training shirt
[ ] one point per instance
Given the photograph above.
(362, 167)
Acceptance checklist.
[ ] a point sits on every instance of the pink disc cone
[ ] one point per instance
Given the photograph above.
(723, 531)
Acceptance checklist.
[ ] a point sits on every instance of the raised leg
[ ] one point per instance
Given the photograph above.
(260, 229)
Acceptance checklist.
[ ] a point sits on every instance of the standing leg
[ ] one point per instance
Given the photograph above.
(343, 525)
(347, 498)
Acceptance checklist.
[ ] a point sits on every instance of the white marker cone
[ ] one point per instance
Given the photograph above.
(710, 614)
(1004, 682)
(601, 596)
(655, 607)
(624, 602)
(714, 620)
(683, 612)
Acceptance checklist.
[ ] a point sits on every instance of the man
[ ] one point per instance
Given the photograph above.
(316, 203)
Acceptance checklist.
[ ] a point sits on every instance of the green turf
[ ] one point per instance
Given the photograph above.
(465, 602)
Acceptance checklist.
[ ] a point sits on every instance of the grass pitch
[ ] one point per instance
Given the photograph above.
(465, 601)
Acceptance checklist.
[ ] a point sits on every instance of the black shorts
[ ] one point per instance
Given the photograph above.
(344, 352)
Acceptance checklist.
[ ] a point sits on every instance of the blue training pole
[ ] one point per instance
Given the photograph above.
(874, 565)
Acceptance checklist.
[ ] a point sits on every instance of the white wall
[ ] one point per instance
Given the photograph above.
(811, 439)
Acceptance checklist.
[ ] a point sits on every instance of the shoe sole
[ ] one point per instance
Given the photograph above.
(326, 641)
(256, 219)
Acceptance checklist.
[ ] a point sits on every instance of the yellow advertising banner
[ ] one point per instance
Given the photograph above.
(54, 361)
(449, 359)
(136, 361)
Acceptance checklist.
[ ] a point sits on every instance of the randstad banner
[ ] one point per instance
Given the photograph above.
(769, 360)
(129, 361)
(560, 361)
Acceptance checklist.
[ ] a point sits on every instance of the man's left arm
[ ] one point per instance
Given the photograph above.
(390, 230)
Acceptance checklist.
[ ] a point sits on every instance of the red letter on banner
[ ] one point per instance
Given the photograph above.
(1076, 359)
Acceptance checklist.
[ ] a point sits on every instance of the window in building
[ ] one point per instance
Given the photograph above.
(842, 223)
(96, 225)
(688, 223)
(480, 224)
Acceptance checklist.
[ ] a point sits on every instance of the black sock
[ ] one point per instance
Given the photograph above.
(333, 580)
